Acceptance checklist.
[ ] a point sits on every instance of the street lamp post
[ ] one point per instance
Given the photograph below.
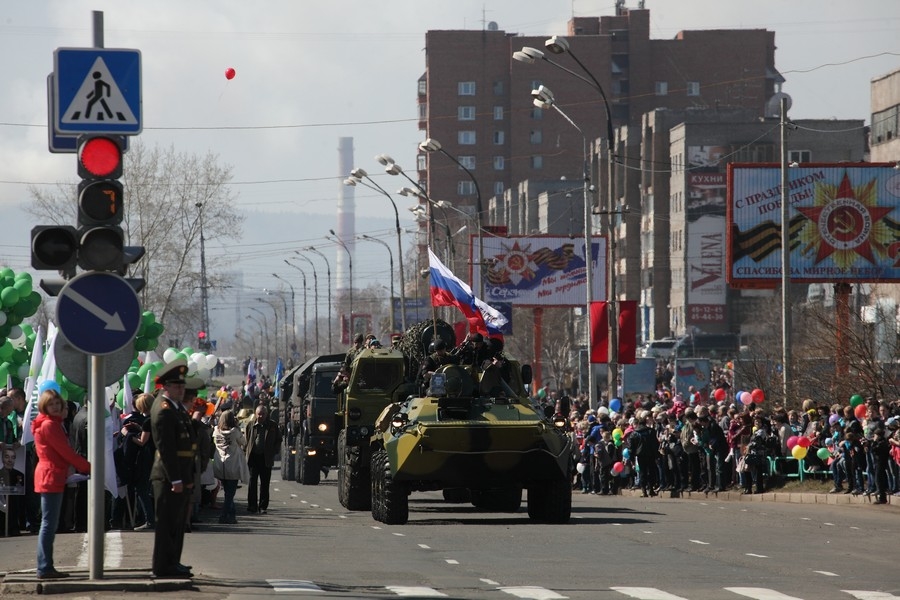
(294, 314)
(315, 294)
(265, 344)
(328, 281)
(543, 98)
(432, 145)
(356, 176)
(559, 45)
(275, 313)
(258, 324)
(343, 245)
(391, 259)
(305, 320)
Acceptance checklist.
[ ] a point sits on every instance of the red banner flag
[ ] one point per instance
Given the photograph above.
(627, 332)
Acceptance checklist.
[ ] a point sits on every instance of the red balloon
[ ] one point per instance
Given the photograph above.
(860, 412)
(792, 441)
(719, 394)
(230, 73)
(618, 467)
(758, 395)
(803, 441)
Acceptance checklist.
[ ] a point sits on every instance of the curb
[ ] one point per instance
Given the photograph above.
(115, 580)
(774, 496)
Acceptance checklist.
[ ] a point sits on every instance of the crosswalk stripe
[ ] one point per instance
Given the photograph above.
(418, 592)
(864, 595)
(644, 593)
(531, 592)
(293, 585)
(761, 593)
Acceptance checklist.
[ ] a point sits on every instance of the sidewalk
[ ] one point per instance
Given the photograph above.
(790, 497)
(114, 580)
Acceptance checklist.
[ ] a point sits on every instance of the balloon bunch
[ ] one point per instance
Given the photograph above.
(617, 437)
(18, 301)
(148, 333)
(799, 446)
(757, 396)
(197, 362)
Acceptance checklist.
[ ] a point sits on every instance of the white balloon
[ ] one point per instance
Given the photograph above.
(23, 371)
(213, 360)
(16, 337)
(206, 364)
(2, 318)
(169, 354)
(192, 367)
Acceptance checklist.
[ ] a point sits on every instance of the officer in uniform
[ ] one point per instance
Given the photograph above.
(434, 361)
(172, 475)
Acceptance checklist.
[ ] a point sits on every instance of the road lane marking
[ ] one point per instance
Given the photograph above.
(761, 593)
(490, 581)
(451, 561)
(112, 551)
(399, 534)
(827, 573)
(829, 524)
(643, 593)
(425, 546)
(531, 592)
(293, 586)
(864, 595)
(756, 555)
(699, 542)
(418, 592)
(329, 510)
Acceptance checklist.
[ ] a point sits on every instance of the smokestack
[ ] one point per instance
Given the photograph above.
(345, 229)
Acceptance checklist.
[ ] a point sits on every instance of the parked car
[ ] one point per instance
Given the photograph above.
(660, 349)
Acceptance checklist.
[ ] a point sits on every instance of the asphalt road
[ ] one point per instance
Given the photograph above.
(614, 548)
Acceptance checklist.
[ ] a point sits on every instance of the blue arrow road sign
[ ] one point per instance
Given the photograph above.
(98, 90)
(98, 313)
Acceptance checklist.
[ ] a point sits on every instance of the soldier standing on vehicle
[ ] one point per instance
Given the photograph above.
(354, 350)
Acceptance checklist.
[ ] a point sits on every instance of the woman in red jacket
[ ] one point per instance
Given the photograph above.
(54, 458)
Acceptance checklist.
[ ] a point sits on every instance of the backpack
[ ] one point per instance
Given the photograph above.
(126, 456)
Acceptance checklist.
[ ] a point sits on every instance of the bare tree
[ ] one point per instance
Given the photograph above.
(168, 195)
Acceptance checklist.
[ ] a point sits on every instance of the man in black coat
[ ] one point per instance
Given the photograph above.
(263, 445)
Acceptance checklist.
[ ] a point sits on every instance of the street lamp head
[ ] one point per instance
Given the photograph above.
(541, 104)
(331, 231)
(430, 145)
(350, 181)
(557, 44)
(393, 169)
(384, 159)
(528, 55)
(443, 204)
(408, 191)
(544, 94)
(358, 173)
(522, 57)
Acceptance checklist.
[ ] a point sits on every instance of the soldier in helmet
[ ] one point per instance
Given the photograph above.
(473, 351)
(434, 361)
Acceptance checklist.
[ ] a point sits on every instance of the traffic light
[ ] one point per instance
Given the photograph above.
(202, 341)
(54, 248)
(100, 206)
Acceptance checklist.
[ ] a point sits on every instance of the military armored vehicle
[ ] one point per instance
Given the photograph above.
(309, 419)
(378, 378)
(476, 436)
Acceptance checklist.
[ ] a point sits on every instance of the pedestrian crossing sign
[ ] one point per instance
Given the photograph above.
(98, 90)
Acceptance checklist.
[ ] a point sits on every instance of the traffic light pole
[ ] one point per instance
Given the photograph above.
(97, 457)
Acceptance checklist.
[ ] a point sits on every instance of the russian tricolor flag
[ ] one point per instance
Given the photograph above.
(448, 290)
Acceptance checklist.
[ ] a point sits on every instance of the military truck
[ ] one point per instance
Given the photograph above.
(476, 436)
(378, 378)
(309, 419)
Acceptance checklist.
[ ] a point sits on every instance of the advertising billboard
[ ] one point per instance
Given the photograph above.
(844, 223)
(540, 270)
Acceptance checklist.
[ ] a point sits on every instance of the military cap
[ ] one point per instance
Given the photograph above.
(193, 384)
(174, 372)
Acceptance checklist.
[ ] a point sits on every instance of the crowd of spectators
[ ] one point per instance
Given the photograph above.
(668, 443)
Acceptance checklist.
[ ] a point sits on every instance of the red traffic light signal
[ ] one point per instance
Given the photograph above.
(99, 157)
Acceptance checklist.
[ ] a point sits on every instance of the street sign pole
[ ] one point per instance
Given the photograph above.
(97, 456)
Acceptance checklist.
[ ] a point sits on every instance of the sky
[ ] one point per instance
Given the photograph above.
(308, 73)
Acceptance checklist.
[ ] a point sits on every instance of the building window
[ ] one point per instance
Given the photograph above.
(498, 88)
(537, 113)
(498, 188)
(423, 87)
(662, 88)
(536, 83)
(423, 111)
(466, 88)
(537, 162)
(498, 113)
(799, 156)
(885, 125)
(465, 113)
(466, 161)
(465, 188)
(536, 137)
(465, 138)
(499, 163)
(498, 137)
(421, 162)
(693, 88)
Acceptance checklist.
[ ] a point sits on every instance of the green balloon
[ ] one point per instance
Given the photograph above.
(5, 371)
(120, 399)
(29, 342)
(23, 275)
(20, 356)
(7, 272)
(823, 453)
(187, 351)
(13, 319)
(148, 318)
(6, 350)
(135, 381)
(154, 330)
(140, 344)
(856, 400)
(34, 299)
(9, 296)
(152, 343)
(23, 286)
